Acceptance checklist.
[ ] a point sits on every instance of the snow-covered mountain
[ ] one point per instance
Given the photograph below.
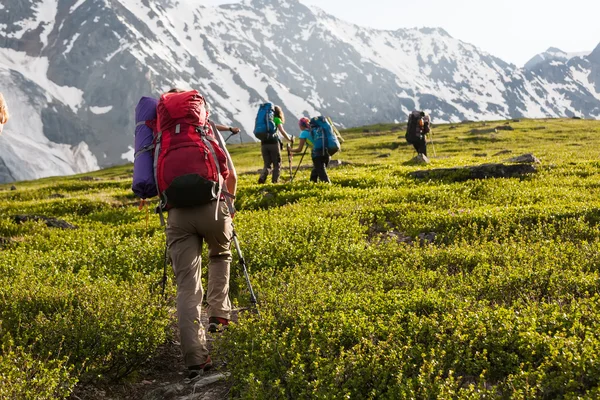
(74, 70)
(553, 54)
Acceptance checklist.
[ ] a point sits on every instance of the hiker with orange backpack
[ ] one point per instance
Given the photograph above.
(195, 179)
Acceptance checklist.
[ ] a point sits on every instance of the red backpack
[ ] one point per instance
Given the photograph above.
(189, 165)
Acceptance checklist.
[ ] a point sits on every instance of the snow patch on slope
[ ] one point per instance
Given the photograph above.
(26, 152)
(36, 70)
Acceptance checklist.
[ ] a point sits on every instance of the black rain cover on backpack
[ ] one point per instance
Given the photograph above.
(413, 130)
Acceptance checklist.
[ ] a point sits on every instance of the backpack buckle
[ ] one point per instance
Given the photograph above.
(202, 131)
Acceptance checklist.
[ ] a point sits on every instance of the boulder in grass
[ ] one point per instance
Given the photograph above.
(505, 128)
(502, 152)
(484, 171)
(525, 159)
(419, 159)
(50, 222)
(489, 130)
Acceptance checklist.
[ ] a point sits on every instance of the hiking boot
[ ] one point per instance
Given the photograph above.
(262, 180)
(195, 371)
(217, 324)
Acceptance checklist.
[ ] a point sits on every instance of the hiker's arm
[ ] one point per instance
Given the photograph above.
(300, 147)
(231, 181)
(426, 128)
(232, 129)
(285, 134)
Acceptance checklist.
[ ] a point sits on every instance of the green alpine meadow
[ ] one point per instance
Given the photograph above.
(382, 285)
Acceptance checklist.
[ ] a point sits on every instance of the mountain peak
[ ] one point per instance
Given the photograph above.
(440, 31)
(595, 55)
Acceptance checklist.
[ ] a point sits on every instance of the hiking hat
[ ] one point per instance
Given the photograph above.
(304, 124)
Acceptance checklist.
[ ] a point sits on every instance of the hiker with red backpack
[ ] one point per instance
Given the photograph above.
(196, 182)
(269, 122)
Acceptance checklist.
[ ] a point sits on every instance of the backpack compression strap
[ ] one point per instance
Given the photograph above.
(162, 200)
(207, 142)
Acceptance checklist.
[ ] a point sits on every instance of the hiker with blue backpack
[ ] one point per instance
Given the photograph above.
(319, 134)
(268, 126)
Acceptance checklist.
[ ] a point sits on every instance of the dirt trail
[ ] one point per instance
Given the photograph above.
(162, 378)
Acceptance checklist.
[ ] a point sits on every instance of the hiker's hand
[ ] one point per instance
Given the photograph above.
(235, 130)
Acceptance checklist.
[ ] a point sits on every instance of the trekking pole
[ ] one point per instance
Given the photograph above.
(298, 167)
(163, 282)
(432, 145)
(245, 270)
(228, 137)
(289, 161)
(241, 257)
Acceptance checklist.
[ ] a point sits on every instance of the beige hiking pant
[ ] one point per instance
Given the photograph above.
(187, 228)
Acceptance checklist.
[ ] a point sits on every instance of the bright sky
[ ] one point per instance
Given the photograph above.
(514, 30)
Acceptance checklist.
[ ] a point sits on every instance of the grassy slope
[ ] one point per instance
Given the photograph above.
(503, 302)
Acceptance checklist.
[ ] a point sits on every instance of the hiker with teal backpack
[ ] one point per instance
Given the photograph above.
(318, 134)
(268, 126)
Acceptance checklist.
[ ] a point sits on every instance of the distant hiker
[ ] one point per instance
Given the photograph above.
(269, 122)
(417, 128)
(194, 174)
(320, 162)
(3, 112)
(319, 133)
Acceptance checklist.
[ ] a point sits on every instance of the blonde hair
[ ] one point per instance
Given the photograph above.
(279, 113)
(3, 110)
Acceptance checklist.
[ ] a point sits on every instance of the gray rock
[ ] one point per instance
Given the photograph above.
(50, 222)
(419, 159)
(525, 159)
(480, 131)
(181, 391)
(483, 171)
(426, 238)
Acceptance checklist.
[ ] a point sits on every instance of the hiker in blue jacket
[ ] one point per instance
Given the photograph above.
(320, 161)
